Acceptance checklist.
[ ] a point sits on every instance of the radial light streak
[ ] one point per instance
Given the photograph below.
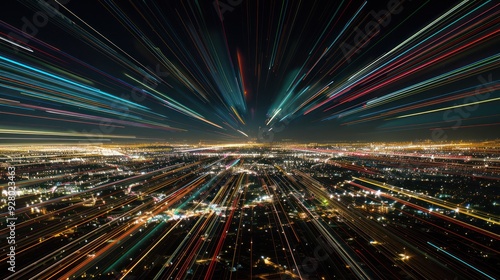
(57, 133)
(447, 108)
(274, 115)
(97, 91)
(243, 133)
(342, 90)
(15, 44)
(200, 62)
(127, 71)
(460, 260)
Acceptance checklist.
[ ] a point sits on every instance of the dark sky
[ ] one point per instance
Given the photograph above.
(310, 71)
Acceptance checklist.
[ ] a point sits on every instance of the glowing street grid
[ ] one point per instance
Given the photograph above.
(369, 211)
(249, 139)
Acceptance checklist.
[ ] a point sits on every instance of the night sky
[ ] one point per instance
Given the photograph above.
(238, 70)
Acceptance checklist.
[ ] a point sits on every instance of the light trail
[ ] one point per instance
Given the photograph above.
(487, 217)
(15, 44)
(460, 260)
